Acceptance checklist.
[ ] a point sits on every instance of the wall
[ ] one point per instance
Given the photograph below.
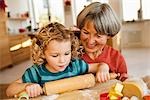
(68, 16)
(57, 10)
(117, 6)
(132, 34)
(76, 8)
(16, 8)
(135, 34)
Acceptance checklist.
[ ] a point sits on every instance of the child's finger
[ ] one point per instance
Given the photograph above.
(39, 89)
(36, 90)
(33, 91)
(28, 91)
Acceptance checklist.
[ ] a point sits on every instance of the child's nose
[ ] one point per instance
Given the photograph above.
(61, 59)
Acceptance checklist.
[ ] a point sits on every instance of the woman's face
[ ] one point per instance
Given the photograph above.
(90, 39)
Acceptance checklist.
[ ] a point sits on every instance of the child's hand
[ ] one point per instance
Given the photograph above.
(34, 90)
(102, 74)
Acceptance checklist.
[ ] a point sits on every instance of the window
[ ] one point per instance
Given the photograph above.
(39, 13)
(45, 11)
(132, 7)
(146, 9)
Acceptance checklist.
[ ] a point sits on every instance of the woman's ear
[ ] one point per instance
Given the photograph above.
(109, 37)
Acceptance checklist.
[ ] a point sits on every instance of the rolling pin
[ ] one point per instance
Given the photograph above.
(72, 83)
(69, 84)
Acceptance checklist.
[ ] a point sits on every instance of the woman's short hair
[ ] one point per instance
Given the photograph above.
(103, 17)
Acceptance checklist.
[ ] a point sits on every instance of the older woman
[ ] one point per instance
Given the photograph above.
(98, 23)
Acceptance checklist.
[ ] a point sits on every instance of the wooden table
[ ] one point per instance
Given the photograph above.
(85, 94)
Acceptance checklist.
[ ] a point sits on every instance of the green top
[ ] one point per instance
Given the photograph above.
(39, 74)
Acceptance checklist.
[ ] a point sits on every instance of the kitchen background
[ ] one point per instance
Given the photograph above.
(23, 17)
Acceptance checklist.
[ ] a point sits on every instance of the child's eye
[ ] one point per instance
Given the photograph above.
(54, 55)
(67, 53)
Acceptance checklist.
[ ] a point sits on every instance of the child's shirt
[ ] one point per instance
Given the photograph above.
(39, 74)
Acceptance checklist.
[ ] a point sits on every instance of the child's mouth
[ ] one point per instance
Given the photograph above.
(61, 66)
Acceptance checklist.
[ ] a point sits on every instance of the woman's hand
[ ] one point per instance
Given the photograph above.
(123, 76)
(102, 74)
(34, 90)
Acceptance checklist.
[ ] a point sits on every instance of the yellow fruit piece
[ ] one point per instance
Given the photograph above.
(112, 97)
(118, 87)
(115, 93)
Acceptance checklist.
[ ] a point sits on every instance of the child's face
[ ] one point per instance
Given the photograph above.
(58, 55)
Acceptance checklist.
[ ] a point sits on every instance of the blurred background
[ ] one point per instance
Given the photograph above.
(20, 18)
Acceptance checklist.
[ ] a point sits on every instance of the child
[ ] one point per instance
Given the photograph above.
(55, 56)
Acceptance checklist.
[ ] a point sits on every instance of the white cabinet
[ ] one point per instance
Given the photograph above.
(17, 23)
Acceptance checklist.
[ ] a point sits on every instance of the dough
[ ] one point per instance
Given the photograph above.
(148, 84)
(146, 78)
(92, 93)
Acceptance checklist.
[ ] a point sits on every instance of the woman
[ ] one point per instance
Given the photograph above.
(98, 23)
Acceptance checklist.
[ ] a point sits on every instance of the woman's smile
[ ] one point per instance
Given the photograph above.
(90, 46)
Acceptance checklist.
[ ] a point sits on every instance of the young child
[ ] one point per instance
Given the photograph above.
(55, 56)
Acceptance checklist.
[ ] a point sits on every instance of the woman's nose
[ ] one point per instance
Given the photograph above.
(91, 39)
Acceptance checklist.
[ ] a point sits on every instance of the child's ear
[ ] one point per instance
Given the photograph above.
(43, 55)
(77, 34)
(32, 36)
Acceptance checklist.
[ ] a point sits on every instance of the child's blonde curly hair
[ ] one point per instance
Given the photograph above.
(52, 31)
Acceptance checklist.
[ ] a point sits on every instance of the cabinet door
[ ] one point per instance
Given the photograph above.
(2, 29)
(5, 57)
(22, 53)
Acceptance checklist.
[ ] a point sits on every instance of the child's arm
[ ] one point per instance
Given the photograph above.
(18, 86)
(101, 70)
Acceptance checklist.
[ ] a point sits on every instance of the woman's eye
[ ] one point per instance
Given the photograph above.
(99, 36)
(85, 32)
